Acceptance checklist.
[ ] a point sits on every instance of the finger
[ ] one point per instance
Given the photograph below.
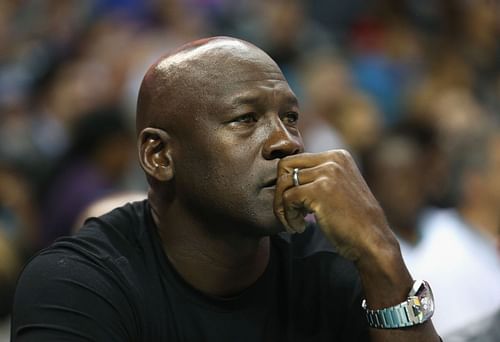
(285, 182)
(305, 175)
(296, 206)
(308, 160)
(303, 161)
(280, 214)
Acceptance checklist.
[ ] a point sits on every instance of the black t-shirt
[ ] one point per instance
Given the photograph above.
(113, 282)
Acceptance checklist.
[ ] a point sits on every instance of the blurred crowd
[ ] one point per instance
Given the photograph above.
(410, 87)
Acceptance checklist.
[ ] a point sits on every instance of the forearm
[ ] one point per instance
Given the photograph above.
(387, 282)
(331, 186)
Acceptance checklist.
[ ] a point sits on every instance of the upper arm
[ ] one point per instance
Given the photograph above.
(65, 297)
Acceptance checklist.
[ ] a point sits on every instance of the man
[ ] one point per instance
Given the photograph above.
(204, 258)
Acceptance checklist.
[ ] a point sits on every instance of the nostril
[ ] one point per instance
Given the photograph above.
(279, 151)
(281, 143)
(278, 154)
(298, 150)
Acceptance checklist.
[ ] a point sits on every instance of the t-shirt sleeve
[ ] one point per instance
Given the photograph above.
(63, 296)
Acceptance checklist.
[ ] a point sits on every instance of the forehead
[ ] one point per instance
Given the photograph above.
(219, 65)
(197, 83)
(193, 53)
(254, 87)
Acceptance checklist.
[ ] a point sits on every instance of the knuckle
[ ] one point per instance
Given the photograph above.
(343, 154)
(280, 166)
(331, 167)
(281, 163)
(324, 183)
(282, 177)
(287, 197)
(284, 167)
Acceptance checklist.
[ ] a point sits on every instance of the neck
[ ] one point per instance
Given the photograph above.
(220, 265)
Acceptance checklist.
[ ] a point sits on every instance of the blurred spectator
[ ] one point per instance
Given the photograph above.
(188, 19)
(477, 185)
(394, 170)
(455, 114)
(453, 249)
(326, 81)
(10, 264)
(9, 269)
(23, 139)
(100, 154)
(486, 329)
(33, 36)
(19, 219)
(359, 123)
(333, 102)
(387, 56)
(456, 252)
(284, 30)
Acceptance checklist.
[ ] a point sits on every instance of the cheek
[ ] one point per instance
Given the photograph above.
(231, 159)
(220, 167)
(215, 175)
(232, 176)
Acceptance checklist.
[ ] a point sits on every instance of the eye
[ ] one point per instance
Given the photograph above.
(246, 118)
(290, 118)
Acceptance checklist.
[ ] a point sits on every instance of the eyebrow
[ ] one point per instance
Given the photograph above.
(249, 99)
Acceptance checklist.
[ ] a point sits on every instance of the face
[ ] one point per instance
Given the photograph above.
(397, 181)
(226, 156)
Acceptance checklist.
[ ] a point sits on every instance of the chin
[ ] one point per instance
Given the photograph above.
(255, 223)
(271, 227)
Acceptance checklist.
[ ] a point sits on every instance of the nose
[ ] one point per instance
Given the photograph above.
(282, 142)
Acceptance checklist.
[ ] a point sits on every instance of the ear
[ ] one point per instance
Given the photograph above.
(155, 153)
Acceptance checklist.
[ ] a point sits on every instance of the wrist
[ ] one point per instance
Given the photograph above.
(416, 309)
(380, 253)
(386, 280)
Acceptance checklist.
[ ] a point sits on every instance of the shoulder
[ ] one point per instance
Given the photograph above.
(64, 294)
(84, 284)
(109, 236)
(105, 246)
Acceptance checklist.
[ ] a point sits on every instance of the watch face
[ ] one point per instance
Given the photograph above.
(423, 305)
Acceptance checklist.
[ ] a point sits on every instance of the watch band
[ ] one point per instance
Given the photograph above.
(397, 316)
(417, 309)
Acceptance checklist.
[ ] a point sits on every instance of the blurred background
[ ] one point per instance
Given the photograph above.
(410, 87)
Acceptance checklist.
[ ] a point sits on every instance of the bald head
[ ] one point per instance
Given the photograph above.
(184, 83)
(184, 89)
(213, 118)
